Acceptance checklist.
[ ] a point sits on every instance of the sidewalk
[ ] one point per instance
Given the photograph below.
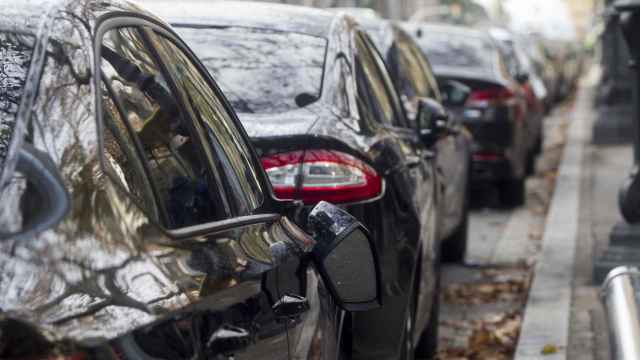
(526, 289)
(564, 318)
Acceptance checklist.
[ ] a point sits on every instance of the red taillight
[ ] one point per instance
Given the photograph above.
(322, 175)
(487, 156)
(487, 96)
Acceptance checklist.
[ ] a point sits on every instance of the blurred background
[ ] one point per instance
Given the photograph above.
(563, 19)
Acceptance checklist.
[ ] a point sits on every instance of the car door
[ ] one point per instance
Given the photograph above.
(451, 151)
(411, 177)
(213, 228)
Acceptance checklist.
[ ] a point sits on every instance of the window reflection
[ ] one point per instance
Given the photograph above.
(371, 85)
(163, 135)
(213, 122)
(261, 71)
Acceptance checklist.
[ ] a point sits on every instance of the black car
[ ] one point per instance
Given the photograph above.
(136, 219)
(322, 111)
(495, 112)
(520, 67)
(451, 143)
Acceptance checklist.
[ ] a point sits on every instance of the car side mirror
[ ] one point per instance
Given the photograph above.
(454, 93)
(432, 120)
(522, 78)
(345, 257)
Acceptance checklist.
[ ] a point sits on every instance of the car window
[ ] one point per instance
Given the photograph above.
(411, 80)
(459, 50)
(183, 186)
(279, 66)
(412, 51)
(372, 88)
(121, 159)
(215, 124)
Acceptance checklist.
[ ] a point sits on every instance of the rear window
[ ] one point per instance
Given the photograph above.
(459, 50)
(16, 51)
(260, 71)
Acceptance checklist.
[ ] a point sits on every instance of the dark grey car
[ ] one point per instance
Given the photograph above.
(136, 219)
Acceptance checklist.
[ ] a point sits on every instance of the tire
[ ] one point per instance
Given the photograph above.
(454, 248)
(427, 347)
(531, 163)
(512, 192)
(539, 146)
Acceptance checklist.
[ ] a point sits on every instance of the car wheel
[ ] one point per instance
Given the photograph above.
(428, 344)
(531, 163)
(539, 146)
(512, 192)
(454, 248)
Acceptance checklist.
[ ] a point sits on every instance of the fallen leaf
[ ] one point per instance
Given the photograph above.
(549, 349)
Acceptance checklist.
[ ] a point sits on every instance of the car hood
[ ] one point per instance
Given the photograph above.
(295, 122)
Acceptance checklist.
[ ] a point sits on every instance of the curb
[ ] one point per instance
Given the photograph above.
(548, 309)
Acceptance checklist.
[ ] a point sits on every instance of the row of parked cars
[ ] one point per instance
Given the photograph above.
(214, 180)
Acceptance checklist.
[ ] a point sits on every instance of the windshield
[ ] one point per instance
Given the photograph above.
(459, 50)
(15, 57)
(260, 71)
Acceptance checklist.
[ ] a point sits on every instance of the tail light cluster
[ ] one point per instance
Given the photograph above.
(322, 175)
(490, 96)
(497, 96)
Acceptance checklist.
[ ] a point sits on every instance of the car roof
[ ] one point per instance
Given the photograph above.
(445, 28)
(276, 17)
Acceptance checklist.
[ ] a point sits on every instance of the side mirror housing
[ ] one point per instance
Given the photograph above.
(522, 78)
(345, 257)
(432, 121)
(454, 93)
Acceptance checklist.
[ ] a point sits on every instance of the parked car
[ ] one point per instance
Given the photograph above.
(533, 46)
(520, 68)
(137, 221)
(322, 111)
(417, 86)
(495, 112)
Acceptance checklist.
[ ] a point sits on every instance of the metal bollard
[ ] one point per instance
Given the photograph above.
(621, 296)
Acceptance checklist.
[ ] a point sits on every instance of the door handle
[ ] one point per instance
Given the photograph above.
(228, 339)
(290, 307)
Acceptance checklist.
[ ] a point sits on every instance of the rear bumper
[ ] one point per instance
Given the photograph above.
(490, 170)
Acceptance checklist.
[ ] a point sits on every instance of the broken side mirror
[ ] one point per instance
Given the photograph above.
(345, 257)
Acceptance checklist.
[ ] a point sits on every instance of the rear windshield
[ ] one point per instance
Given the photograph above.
(260, 71)
(16, 51)
(459, 50)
